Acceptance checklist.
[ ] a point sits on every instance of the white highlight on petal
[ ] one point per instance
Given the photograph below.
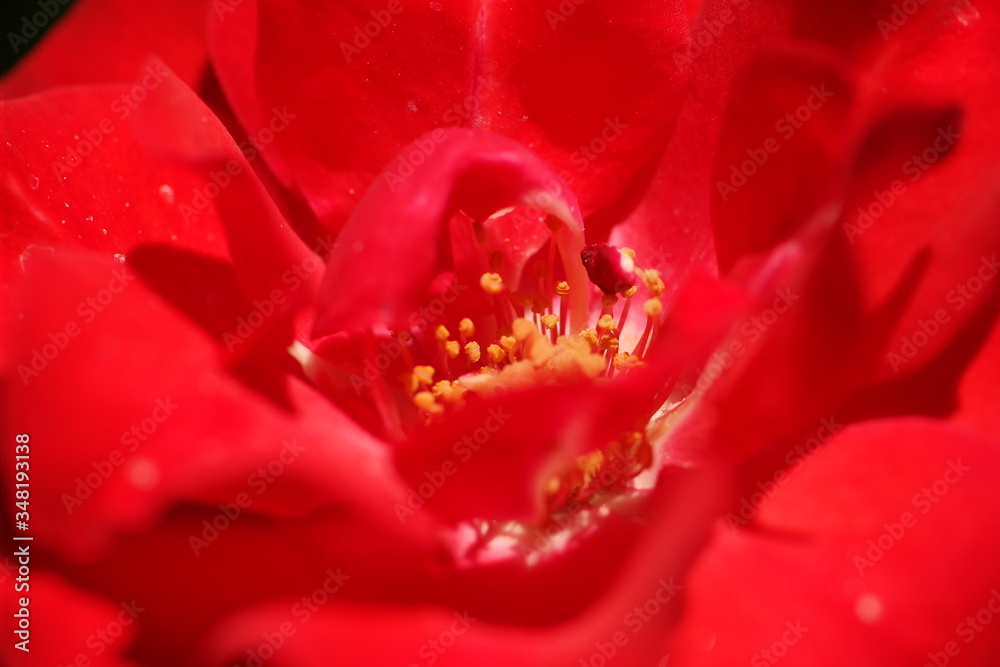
(868, 608)
(144, 473)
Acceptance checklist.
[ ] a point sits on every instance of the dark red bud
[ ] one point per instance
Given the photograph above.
(604, 268)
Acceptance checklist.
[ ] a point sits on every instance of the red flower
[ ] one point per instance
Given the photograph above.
(495, 333)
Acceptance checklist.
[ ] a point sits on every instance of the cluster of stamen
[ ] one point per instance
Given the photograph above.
(533, 345)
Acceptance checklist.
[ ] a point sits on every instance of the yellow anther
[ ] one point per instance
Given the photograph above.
(452, 348)
(654, 283)
(522, 330)
(626, 361)
(630, 292)
(539, 351)
(508, 342)
(608, 342)
(496, 353)
(653, 307)
(426, 402)
(590, 336)
(423, 374)
(562, 288)
(449, 392)
(466, 327)
(472, 351)
(442, 333)
(628, 251)
(491, 283)
(550, 321)
(609, 300)
(606, 322)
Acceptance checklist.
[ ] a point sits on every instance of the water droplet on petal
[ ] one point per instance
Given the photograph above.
(412, 106)
(436, 6)
(33, 182)
(167, 193)
(120, 257)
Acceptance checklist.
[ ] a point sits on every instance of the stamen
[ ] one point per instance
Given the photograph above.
(654, 283)
(424, 374)
(472, 352)
(491, 283)
(509, 343)
(652, 308)
(562, 289)
(425, 401)
(466, 328)
(608, 343)
(497, 353)
(590, 336)
(628, 294)
(522, 329)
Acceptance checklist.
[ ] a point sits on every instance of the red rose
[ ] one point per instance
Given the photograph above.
(538, 333)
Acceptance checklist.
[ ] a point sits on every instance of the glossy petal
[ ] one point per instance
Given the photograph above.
(166, 423)
(409, 69)
(91, 630)
(869, 543)
(425, 185)
(108, 171)
(109, 41)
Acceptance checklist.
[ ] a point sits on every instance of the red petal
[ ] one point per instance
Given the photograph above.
(979, 389)
(876, 544)
(381, 274)
(162, 421)
(786, 110)
(355, 633)
(492, 459)
(104, 41)
(101, 168)
(91, 630)
(610, 69)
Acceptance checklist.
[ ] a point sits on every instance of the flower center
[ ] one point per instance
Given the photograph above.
(533, 346)
(510, 340)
